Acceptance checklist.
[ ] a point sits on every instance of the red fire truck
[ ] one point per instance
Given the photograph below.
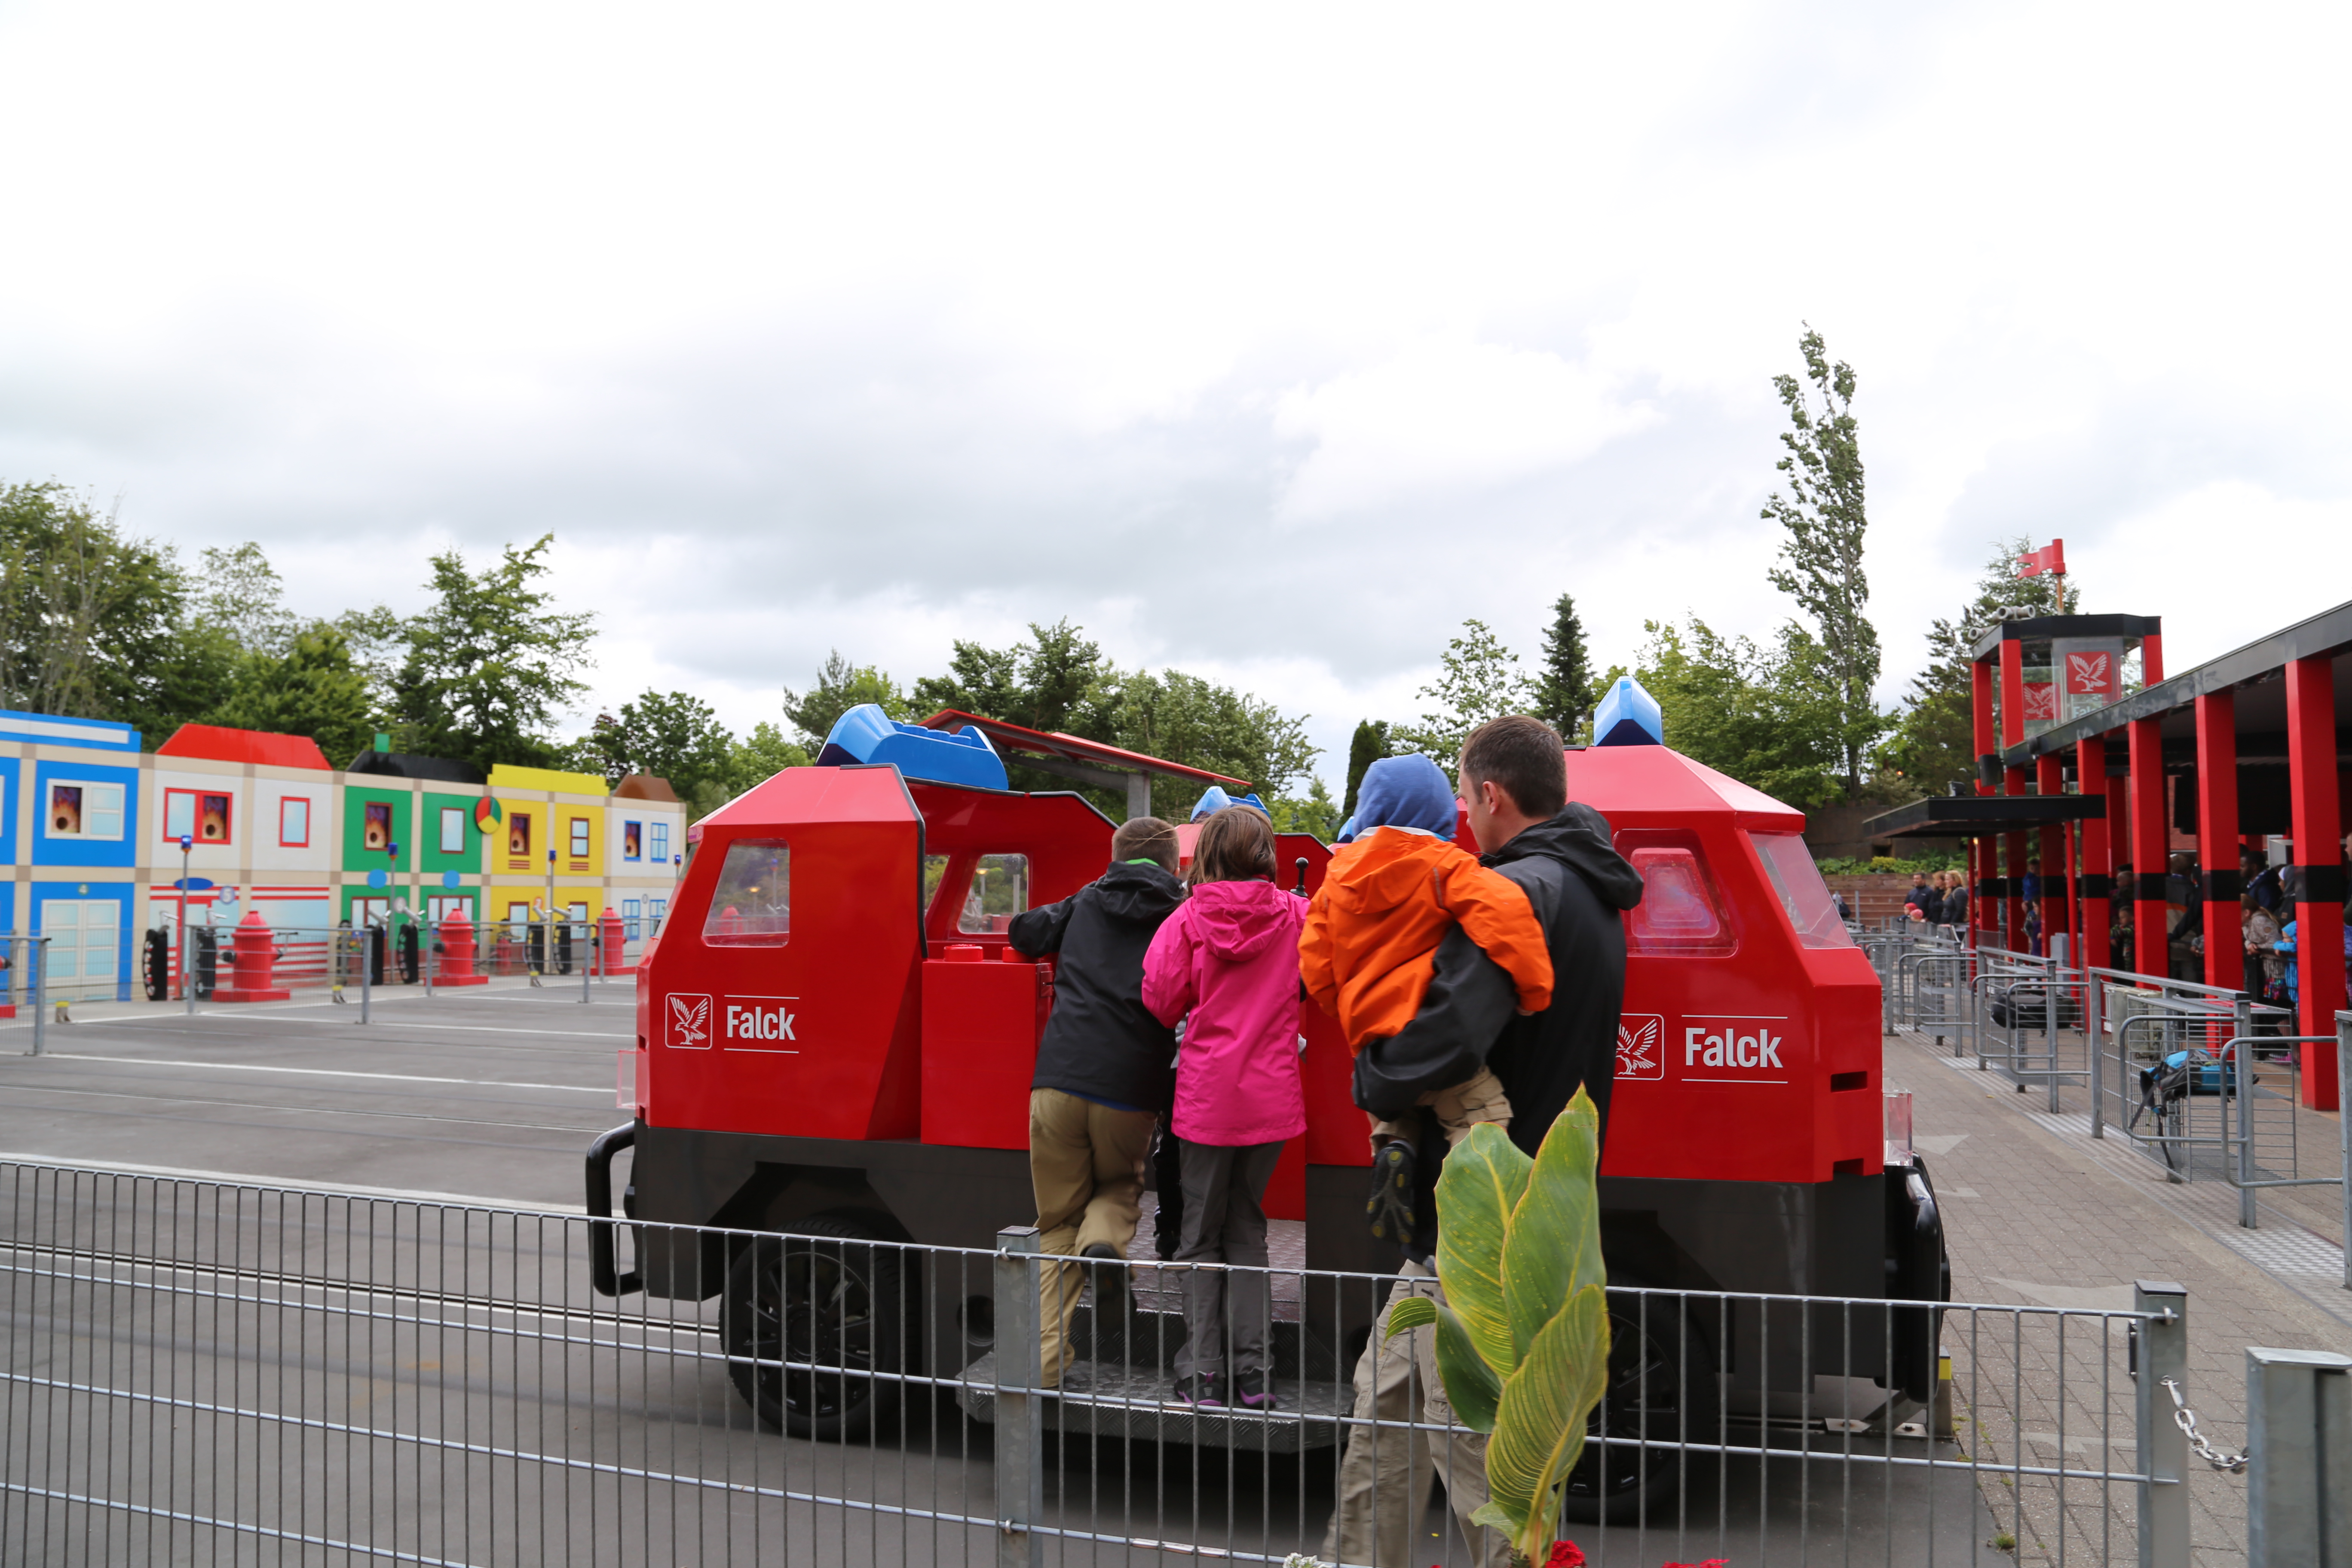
(834, 1039)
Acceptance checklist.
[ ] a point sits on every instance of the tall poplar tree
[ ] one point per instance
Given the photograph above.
(1821, 559)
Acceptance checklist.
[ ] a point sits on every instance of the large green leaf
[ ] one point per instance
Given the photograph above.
(1483, 1180)
(1553, 1246)
(1539, 1421)
(1472, 1385)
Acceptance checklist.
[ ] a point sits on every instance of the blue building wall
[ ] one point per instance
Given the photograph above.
(52, 848)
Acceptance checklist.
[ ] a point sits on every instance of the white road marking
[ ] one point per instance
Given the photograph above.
(322, 1072)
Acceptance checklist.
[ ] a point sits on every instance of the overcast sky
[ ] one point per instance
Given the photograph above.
(1266, 342)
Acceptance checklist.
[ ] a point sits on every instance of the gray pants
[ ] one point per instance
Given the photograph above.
(1225, 1315)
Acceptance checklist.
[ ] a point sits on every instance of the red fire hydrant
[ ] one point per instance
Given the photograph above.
(457, 967)
(250, 965)
(615, 960)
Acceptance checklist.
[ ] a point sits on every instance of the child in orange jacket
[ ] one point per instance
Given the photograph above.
(1371, 940)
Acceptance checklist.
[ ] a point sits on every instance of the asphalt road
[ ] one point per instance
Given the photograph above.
(491, 1092)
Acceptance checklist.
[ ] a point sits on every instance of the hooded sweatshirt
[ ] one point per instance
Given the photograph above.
(1372, 934)
(1229, 958)
(1101, 1043)
(1579, 887)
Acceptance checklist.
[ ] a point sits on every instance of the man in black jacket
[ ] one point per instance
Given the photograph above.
(1106, 1070)
(1514, 781)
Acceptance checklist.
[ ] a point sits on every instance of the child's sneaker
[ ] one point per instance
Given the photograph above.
(1255, 1391)
(1202, 1391)
(1391, 1209)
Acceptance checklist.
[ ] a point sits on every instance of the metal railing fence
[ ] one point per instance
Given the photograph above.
(199, 1371)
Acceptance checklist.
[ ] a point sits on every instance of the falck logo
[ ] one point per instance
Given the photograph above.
(689, 1023)
(2041, 700)
(1638, 1035)
(2087, 674)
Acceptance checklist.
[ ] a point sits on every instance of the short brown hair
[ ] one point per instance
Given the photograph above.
(1522, 755)
(1236, 845)
(1145, 838)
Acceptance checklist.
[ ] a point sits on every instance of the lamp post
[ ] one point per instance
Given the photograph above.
(187, 986)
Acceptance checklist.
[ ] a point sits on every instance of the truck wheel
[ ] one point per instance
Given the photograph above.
(819, 1302)
(1661, 1392)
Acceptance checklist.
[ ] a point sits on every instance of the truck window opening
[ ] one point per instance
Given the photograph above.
(1802, 892)
(999, 890)
(751, 905)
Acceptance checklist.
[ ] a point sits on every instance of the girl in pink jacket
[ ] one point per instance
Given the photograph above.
(1228, 958)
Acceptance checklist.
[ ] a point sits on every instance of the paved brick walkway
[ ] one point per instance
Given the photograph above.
(2039, 1213)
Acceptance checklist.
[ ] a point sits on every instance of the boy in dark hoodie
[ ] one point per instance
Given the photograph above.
(1106, 1071)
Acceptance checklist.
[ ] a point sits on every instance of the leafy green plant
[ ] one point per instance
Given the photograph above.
(1523, 1335)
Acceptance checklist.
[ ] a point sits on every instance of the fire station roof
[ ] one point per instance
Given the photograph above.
(216, 744)
(1070, 748)
(1973, 815)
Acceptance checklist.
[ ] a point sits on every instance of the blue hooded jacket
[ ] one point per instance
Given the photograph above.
(1403, 792)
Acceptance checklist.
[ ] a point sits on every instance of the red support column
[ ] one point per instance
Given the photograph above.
(1980, 709)
(2317, 823)
(1984, 863)
(2098, 864)
(2151, 659)
(2013, 733)
(2217, 838)
(2057, 866)
(2148, 842)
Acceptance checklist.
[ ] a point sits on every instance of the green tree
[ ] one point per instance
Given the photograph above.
(672, 735)
(761, 756)
(1317, 814)
(490, 664)
(1049, 682)
(239, 593)
(1368, 745)
(1934, 743)
(1766, 716)
(314, 688)
(1563, 684)
(1182, 718)
(841, 686)
(1479, 678)
(92, 618)
(1826, 518)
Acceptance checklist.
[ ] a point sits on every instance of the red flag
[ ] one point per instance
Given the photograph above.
(2051, 557)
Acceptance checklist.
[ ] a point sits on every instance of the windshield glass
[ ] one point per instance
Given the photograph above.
(1802, 892)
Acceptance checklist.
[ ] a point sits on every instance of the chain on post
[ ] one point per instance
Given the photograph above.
(2186, 1419)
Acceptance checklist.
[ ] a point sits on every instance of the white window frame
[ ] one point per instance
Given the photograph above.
(302, 801)
(88, 787)
(448, 814)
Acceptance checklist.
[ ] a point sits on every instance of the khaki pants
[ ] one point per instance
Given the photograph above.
(1085, 1165)
(1459, 1108)
(1382, 1475)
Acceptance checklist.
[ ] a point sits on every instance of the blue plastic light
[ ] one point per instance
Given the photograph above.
(1629, 716)
(866, 734)
(1214, 799)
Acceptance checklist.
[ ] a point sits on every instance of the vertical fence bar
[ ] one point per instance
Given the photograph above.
(2094, 998)
(40, 945)
(587, 961)
(2298, 1487)
(2343, 1127)
(2242, 1051)
(366, 932)
(2163, 1446)
(1020, 1408)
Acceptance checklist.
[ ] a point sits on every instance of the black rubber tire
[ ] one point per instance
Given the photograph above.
(816, 1299)
(1662, 1388)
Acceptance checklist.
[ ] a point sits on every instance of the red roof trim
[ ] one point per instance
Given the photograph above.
(1040, 742)
(217, 744)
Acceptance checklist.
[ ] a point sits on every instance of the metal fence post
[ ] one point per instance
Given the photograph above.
(1019, 1406)
(587, 961)
(2343, 1129)
(2094, 998)
(40, 945)
(366, 934)
(2163, 1446)
(2298, 1487)
(2242, 1025)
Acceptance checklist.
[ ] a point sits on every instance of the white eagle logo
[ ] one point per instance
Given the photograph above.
(689, 1020)
(1638, 1039)
(2087, 671)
